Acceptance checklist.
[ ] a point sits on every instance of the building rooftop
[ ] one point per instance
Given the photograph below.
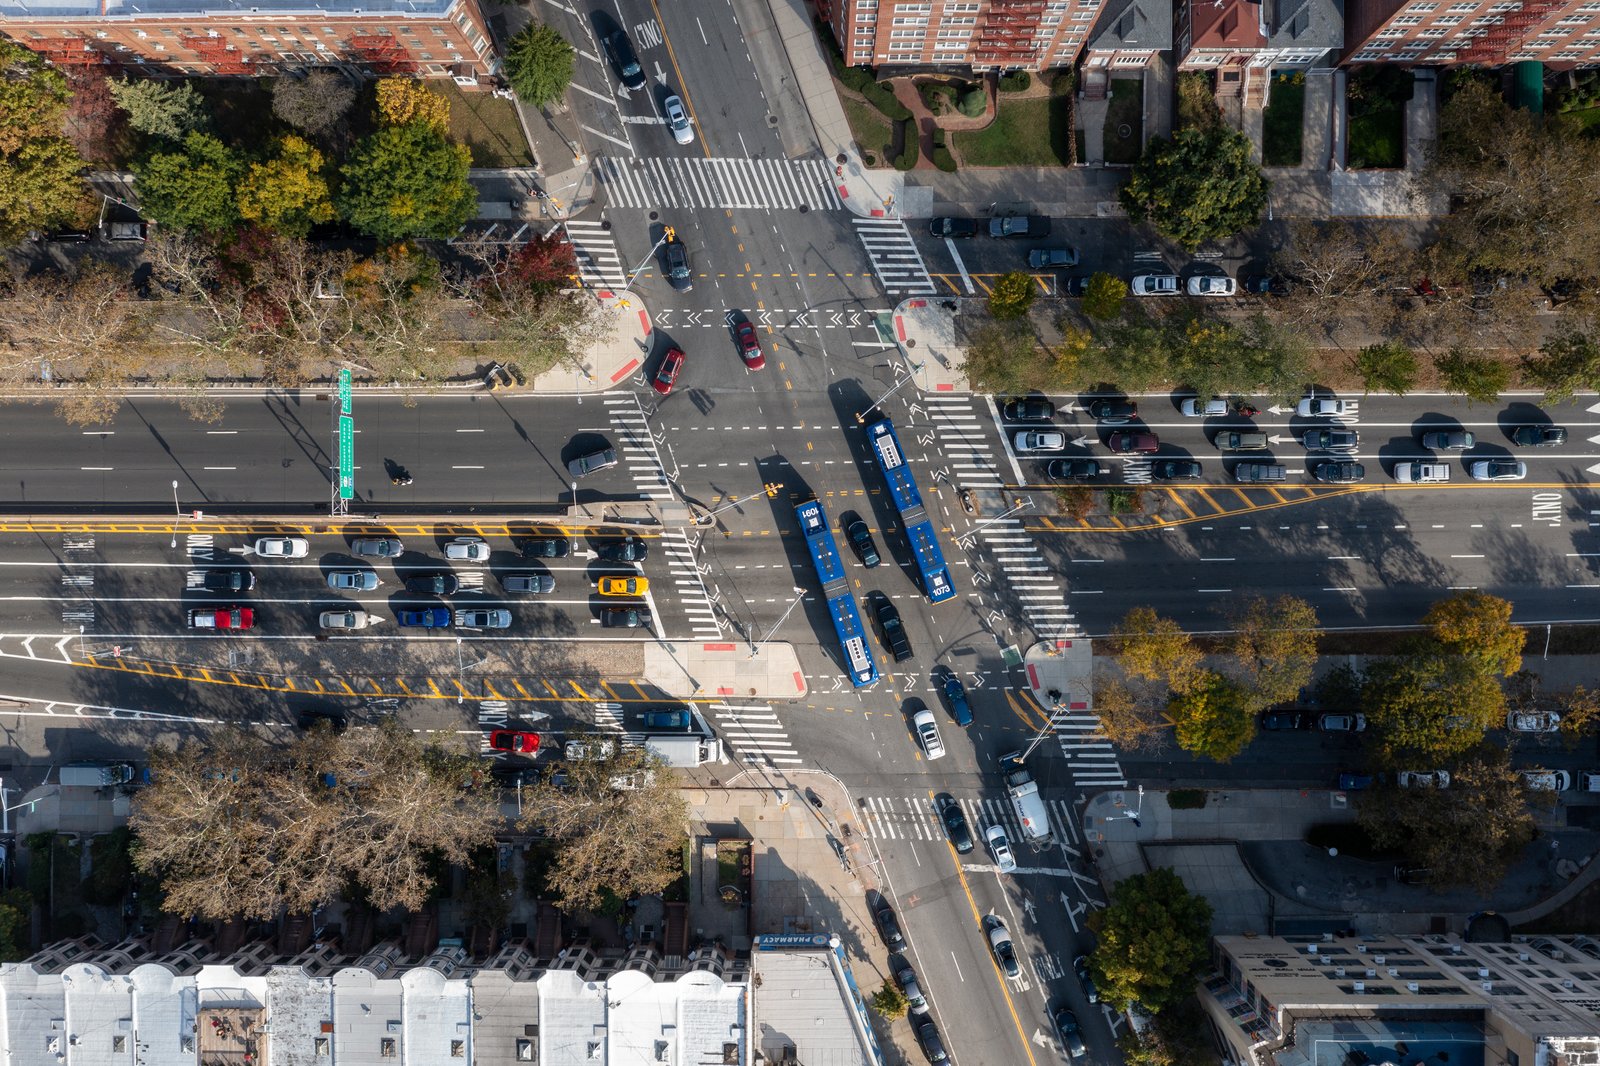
(1144, 25)
(1305, 23)
(1225, 24)
(1336, 1041)
(807, 1000)
(219, 9)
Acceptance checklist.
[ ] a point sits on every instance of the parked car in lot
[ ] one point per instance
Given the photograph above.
(1423, 778)
(1080, 968)
(1260, 473)
(1351, 781)
(906, 978)
(1048, 258)
(434, 583)
(1449, 440)
(377, 547)
(888, 926)
(1342, 723)
(1539, 436)
(955, 822)
(667, 373)
(1076, 285)
(353, 580)
(1546, 780)
(624, 618)
(514, 740)
(424, 618)
(1498, 470)
(949, 226)
(467, 550)
(1176, 470)
(1154, 285)
(860, 538)
(1039, 440)
(1028, 409)
(1331, 440)
(1341, 473)
(527, 581)
(547, 548)
(1113, 412)
(1013, 226)
(1072, 470)
(1322, 407)
(932, 1044)
(928, 734)
(484, 618)
(1266, 285)
(1133, 442)
(1198, 407)
(282, 547)
(1000, 848)
(348, 619)
(1005, 952)
(1533, 721)
(1211, 285)
(229, 580)
(222, 618)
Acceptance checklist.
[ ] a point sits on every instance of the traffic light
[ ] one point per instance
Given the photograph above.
(772, 489)
(671, 234)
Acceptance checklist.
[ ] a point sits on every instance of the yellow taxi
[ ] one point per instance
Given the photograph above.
(624, 586)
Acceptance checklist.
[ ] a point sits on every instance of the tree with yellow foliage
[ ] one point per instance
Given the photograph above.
(288, 193)
(402, 101)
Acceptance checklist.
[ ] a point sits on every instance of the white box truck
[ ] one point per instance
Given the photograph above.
(682, 750)
(96, 774)
(1025, 800)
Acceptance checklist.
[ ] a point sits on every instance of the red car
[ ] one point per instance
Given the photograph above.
(514, 740)
(749, 346)
(667, 376)
(1130, 441)
(222, 618)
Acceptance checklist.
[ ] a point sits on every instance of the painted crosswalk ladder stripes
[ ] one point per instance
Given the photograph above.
(767, 184)
(636, 448)
(690, 585)
(599, 263)
(894, 256)
(753, 732)
(914, 818)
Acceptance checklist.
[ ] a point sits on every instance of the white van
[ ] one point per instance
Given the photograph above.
(96, 774)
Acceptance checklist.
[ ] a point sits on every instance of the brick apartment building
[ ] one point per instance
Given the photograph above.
(980, 34)
(1436, 999)
(1562, 33)
(425, 38)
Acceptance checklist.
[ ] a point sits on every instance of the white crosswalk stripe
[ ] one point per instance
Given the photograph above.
(599, 263)
(690, 586)
(636, 448)
(770, 184)
(754, 733)
(914, 818)
(894, 256)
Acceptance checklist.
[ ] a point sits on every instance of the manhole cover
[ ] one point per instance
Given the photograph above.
(772, 120)
(1124, 131)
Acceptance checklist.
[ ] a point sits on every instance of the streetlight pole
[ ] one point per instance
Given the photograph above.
(461, 675)
(769, 491)
(799, 594)
(5, 812)
(916, 368)
(1133, 816)
(1022, 505)
(667, 233)
(177, 513)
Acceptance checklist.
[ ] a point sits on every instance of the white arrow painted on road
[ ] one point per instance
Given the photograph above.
(1275, 409)
(1072, 912)
(977, 678)
(1027, 908)
(1595, 469)
(1593, 408)
(661, 75)
(916, 411)
(1279, 439)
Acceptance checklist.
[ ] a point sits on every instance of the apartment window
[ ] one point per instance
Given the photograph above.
(1570, 53)
(1447, 20)
(960, 22)
(910, 22)
(952, 9)
(1050, 20)
(913, 9)
(1464, 9)
(1422, 9)
(864, 42)
(1391, 32)
(954, 33)
(1431, 33)
(1573, 20)
(1589, 8)
(866, 16)
(1406, 20)
(905, 33)
(1082, 16)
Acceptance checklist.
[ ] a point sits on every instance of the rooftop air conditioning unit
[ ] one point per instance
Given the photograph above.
(1411, 986)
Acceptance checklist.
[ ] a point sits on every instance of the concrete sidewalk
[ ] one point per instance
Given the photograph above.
(620, 350)
(726, 669)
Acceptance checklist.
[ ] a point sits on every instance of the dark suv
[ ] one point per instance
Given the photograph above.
(629, 71)
(229, 581)
(1028, 409)
(679, 276)
(952, 227)
(955, 823)
(861, 540)
(894, 630)
(1114, 412)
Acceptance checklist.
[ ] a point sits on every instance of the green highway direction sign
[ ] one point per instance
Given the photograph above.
(347, 440)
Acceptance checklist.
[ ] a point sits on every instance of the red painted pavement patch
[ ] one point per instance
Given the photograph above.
(878, 212)
(624, 372)
(717, 647)
(644, 320)
(1033, 676)
(799, 682)
(900, 327)
(944, 386)
(916, 303)
(606, 294)
(724, 691)
(1078, 706)
(844, 193)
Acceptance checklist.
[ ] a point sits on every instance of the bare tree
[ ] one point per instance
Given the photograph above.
(619, 821)
(536, 320)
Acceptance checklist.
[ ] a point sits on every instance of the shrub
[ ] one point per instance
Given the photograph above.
(1124, 501)
(973, 102)
(1186, 799)
(857, 78)
(910, 153)
(1015, 82)
(883, 98)
(941, 154)
(1104, 296)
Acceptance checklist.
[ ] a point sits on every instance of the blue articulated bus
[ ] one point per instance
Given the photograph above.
(836, 590)
(919, 527)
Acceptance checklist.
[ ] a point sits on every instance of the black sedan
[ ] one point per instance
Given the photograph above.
(955, 823)
(1282, 720)
(1345, 473)
(1539, 436)
(626, 550)
(438, 583)
(952, 227)
(1072, 470)
(889, 926)
(229, 581)
(547, 548)
(1175, 470)
(1028, 409)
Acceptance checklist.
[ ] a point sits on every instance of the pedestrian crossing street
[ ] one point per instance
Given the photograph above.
(914, 818)
(894, 256)
(691, 587)
(752, 732)
(636, 448)
(599, 262)
(771, 184)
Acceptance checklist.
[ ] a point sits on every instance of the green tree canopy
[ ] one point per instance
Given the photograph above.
(1213, 716)
(1477, 626)
(1567, 363)
(1429, 706)
(539, 64)
(407, 181)
(39, 183)
(1157, 649)
(1275, 647)
(163, 109)
(289, 192)
(1477, 377)
(1104, 296)
(1012, 295)
(192, 188)
(1153, 937)
(1386, 367)
(1199, 186)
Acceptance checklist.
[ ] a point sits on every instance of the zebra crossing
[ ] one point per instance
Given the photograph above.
(599, 262)
(1091, 758)
(770, 184)
(964, 440)
(691, 587)
(914, 818)
(894, 256)
(753, 732)
(636, 447)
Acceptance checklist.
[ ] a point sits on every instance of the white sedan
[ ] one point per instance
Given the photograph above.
(1498, 470)
(1208, 285)
(928, 734)
(1533, 721)
(282, 547)
(1000, 848)
(1322, 407)
(1195, 407)
(351, 619)
(468, 550)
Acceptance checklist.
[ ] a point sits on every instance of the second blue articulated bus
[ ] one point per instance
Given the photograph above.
(919, 527)
(859, 664)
